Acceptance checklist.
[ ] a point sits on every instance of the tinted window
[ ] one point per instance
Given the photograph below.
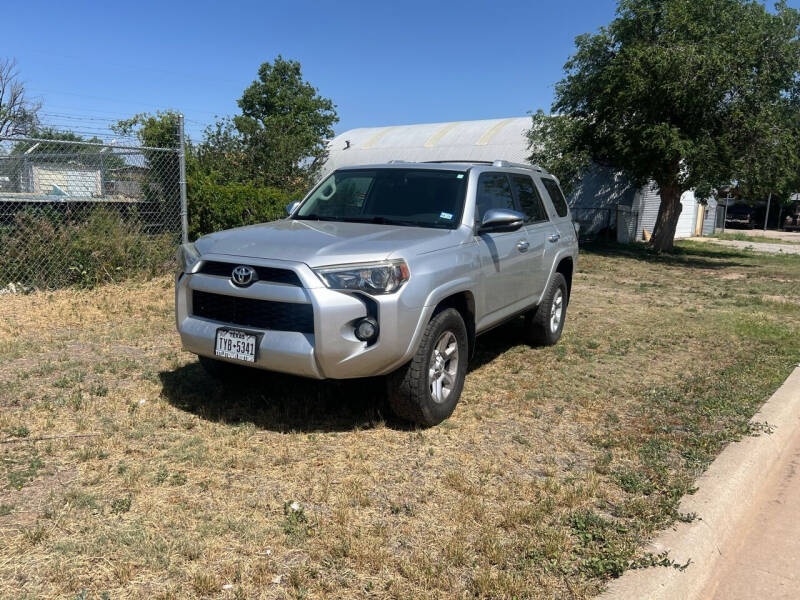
(494, 191)
(529, 199)
(556, 196)
(410, 197)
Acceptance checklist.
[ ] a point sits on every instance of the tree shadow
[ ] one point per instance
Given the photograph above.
(681, 256)
(278, 402)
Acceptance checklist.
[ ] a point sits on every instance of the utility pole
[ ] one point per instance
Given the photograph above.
(766, 216)
(725, 214)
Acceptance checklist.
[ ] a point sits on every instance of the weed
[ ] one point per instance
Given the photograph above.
(19, 477)
(121, 505)
(295, 522)
(18, 432)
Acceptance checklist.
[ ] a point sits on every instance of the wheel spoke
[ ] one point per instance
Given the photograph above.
(449, 378)
(437, 392)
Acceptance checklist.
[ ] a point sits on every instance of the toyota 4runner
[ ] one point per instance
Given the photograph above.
(390, 269)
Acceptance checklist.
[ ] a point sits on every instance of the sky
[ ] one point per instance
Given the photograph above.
(382, 63)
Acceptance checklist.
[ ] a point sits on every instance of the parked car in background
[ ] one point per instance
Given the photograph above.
(392, 269)
(741, 216)
(792, 220)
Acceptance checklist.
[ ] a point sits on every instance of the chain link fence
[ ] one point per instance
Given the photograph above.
(80, 213)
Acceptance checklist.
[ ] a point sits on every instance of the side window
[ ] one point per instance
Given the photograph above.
(494, 191)
(556, 196)
(529, 199)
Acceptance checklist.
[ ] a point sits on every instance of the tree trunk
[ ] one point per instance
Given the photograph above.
(668, 214)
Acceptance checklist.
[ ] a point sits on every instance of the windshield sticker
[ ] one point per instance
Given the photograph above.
(460, 176)
(445, 215)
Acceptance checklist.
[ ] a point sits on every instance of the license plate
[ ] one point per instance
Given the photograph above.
(232, 343)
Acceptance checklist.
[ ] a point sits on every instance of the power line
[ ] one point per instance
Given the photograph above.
(115, 100)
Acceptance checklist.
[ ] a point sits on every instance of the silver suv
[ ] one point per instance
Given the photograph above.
(390, 269)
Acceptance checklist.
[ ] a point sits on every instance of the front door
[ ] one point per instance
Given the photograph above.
(504, 255)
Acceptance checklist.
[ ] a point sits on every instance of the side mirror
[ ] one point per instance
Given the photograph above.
(501, 219)
(292, 206)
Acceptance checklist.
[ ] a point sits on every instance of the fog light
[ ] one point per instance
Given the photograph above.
(366, 329)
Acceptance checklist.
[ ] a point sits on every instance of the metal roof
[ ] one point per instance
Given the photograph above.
(485, 140)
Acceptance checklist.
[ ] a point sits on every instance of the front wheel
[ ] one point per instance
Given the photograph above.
(545, 324)
(426, 390)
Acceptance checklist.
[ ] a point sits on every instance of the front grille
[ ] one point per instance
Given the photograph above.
(248, 312)
(270, 274)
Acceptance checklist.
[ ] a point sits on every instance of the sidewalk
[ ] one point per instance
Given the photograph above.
(745, 541)
(764, 560)
(776, 248)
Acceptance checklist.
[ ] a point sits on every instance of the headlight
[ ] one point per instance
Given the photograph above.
(374, 278)
(188, 257)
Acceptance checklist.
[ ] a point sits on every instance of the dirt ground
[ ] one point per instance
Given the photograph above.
(126, 472)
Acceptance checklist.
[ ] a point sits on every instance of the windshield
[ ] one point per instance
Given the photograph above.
(410, 197)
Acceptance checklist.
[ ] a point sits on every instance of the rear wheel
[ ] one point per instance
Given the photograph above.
(426, 390)
(545, 324)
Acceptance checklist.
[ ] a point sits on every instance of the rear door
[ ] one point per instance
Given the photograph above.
(504, 255)
(561, 219)
(540, 231)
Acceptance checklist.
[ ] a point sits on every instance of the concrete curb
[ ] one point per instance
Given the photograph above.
(725, 494)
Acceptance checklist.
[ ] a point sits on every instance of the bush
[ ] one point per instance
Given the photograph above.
(214, 206)
(46, 250)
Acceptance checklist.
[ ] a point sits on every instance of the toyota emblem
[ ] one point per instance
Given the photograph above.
(243, 275)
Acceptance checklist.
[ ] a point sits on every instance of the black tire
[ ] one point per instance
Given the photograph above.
(409, 388)
(224, 371)
(539, 323)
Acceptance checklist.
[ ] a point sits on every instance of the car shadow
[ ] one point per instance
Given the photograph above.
(284, 403)
(498, 341)
(278, 402)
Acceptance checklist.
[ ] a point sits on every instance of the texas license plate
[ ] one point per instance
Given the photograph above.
(232, 343)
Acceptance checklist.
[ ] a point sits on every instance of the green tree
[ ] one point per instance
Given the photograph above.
(771, 167)
(673, 91)
(162, 185)
(283, 126)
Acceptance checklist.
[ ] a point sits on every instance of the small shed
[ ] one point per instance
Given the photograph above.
(76, 181)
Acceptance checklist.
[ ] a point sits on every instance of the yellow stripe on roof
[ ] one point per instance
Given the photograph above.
(376, 138)
(434, 139)
(486, 137)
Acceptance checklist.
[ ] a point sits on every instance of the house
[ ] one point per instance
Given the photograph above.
(603, 201)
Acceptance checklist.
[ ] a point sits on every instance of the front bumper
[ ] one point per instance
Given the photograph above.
(331, 351)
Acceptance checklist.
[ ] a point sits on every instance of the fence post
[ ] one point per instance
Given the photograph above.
(182, 181)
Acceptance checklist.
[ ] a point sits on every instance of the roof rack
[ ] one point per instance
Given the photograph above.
(494, 163)
(505, 163)
(468, 162)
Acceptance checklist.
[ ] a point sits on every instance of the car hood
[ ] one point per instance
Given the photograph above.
(319, 243)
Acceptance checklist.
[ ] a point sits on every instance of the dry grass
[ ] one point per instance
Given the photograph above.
(554, 470)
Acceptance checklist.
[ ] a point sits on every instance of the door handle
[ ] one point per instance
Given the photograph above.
(554, 238)
(523, 246)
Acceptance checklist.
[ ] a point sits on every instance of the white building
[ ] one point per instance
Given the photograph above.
(600, 201)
